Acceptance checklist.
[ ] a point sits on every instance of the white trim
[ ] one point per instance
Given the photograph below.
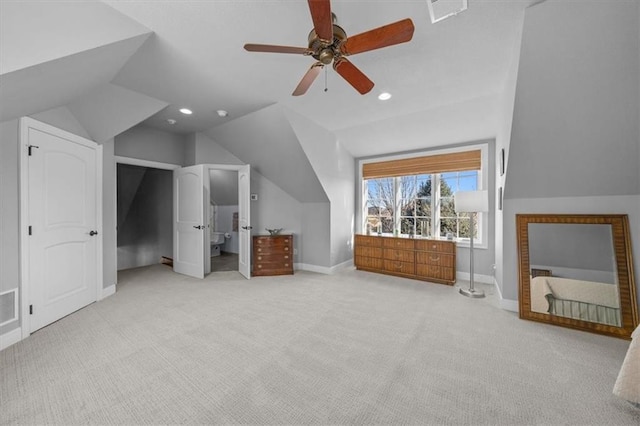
(479, 278)
(16, 307)
(312, 268)
(322, 269)
(506, 304)
(145, 163)
(509, 305)
(108, 291)
(483, 180)
(10, 338)
(99, 222)
(24, 124)
(345, 264)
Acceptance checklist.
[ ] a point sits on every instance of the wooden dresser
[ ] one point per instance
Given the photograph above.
(272, 255)
(423, 259)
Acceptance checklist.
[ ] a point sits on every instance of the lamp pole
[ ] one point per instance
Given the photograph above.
(471, 291)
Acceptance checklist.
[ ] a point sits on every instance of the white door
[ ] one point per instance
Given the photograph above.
(189, 220)
(63, 207)
(244, 221)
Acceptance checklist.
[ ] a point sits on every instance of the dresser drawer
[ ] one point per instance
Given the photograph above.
(435, 258)
(401, 255)
(368, 262)
(398, 243)
(399, 267)
(272, 241)
(368, 240)
(273, 265)
(435, 272)
(368, 251)
(432, 245)
(277, 257)
(269, 249)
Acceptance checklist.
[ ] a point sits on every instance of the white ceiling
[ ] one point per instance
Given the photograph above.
(196, 59)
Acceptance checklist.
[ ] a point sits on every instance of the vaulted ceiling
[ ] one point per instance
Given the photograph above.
(163, 55)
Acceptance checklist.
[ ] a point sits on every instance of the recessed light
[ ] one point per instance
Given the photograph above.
(222, 113)
(186, 111)
(171, 121)
(384, 96)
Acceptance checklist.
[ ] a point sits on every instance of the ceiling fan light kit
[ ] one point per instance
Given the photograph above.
(328, 43)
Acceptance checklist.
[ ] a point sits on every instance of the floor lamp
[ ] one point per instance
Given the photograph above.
(471, 202)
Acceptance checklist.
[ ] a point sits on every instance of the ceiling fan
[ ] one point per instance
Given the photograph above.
(329, 43)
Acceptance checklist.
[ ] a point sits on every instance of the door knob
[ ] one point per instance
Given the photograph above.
(92, 233)
(199, 227)
(248, 227)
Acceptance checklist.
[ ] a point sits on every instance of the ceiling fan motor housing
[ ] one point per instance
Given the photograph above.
(327, 52)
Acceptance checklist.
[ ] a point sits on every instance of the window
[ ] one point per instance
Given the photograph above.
(419, 204)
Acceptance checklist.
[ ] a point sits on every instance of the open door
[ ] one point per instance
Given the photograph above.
(244, 221)
(189, 220)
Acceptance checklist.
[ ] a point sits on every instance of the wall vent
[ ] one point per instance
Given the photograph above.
(442, 9)
(8, 306)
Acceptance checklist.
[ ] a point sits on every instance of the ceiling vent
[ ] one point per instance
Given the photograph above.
(442, 9)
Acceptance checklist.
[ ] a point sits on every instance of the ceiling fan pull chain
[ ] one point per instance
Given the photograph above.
(325, 79)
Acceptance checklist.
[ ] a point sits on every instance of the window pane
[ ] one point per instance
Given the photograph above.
(387, 225)
(408, 187)
(424, 227)
(423, 207)
(447, 208)
(407, 225)
(448, 226)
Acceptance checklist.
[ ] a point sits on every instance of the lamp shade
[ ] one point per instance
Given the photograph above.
(471, 201)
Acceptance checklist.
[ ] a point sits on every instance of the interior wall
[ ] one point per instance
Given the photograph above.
(575, 139)
(146, 143)
(9, 214)
(334, 166)
(145, 234)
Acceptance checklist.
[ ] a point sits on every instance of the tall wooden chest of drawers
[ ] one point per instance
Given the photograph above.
(423, 259)
(272, 255)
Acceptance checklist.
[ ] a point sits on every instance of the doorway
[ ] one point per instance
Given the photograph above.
(223, 220)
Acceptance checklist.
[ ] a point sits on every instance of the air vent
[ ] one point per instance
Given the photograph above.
(442, 9)
(8, 306)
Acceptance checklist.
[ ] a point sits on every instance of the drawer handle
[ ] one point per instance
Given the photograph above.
(286, 241)
(259, 257)
(434, 246)
(286, 249)
(259, 249)
(286, 257)
(286, 265)
(435, 259)
(259, 266)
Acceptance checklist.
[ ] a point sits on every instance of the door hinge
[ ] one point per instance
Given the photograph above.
(30, 147)
(30, 309)
(29, 229)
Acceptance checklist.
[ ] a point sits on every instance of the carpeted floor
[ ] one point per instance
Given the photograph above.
(352, 348)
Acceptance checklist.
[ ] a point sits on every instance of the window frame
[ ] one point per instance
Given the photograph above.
(481, 240)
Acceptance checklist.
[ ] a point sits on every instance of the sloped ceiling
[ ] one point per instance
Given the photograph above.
(110, 110)
(266, 140)
(52, 53)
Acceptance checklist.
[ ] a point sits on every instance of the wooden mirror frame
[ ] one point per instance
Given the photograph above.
(624, 261)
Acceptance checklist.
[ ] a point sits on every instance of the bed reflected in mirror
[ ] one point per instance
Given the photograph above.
(577, 271)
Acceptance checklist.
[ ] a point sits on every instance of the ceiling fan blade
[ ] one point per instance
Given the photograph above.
(353, 75)
(322, 19)
(276, 49)
(387, 35)
(308, 79)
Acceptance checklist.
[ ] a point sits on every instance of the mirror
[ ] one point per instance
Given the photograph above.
(577, 271)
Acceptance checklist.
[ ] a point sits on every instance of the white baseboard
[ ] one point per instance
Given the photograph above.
(345, 264)
(312, 268)
(478, 278)
(109, 291)
(10, 338)
(506, 304)
(322, 269)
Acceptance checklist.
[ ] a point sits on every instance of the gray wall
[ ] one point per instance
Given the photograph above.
(146, 143)
(9, 212)
(575, 140)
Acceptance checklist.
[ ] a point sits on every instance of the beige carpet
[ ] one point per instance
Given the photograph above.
(353, 348)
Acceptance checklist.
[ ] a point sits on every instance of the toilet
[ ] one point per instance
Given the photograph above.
(217, 242)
